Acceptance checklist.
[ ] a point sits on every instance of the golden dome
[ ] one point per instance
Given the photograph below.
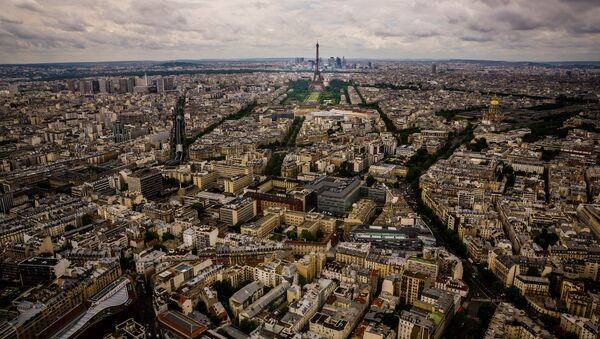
(494, 101)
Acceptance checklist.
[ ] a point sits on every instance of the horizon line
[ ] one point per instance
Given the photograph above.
(294, 57)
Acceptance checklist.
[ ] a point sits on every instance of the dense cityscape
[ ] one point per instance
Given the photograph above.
(300, 199)
(305, 198)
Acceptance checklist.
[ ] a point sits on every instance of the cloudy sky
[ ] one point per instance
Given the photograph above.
(101, 30)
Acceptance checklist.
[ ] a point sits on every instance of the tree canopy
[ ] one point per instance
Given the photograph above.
(545, 238)
(149, 236)
(167, 236)
(370, 181)
(306, 235)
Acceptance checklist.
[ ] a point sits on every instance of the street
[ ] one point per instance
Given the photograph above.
(147, 316)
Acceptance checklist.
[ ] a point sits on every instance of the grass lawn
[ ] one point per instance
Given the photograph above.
(314, 96)
(298, 91)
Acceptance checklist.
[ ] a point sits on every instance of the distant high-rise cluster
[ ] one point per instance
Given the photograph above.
(165, 84)
(331, 63)
(122, 85)
(337, 62)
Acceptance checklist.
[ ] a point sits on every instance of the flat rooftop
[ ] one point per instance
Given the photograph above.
(40, 261)
(144, 173)
(333, 186)
(181, 324)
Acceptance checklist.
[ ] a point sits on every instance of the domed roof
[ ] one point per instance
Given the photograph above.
(494, 101)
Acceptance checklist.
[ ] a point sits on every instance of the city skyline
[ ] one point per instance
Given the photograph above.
(300, 169)
(67, 31)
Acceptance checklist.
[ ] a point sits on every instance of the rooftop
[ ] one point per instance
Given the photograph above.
(181, 324)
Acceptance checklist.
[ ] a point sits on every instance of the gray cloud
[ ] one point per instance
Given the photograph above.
(517, 21)
(66, 24)
(589, 29)
(476, 38)
(65, 30)
(4, 19)
(30, 5)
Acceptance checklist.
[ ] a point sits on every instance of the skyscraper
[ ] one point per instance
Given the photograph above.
(122, 85)
(118, 130)
(102, 86)
(160, 85)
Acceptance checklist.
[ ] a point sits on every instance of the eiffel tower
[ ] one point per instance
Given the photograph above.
(316, 84)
